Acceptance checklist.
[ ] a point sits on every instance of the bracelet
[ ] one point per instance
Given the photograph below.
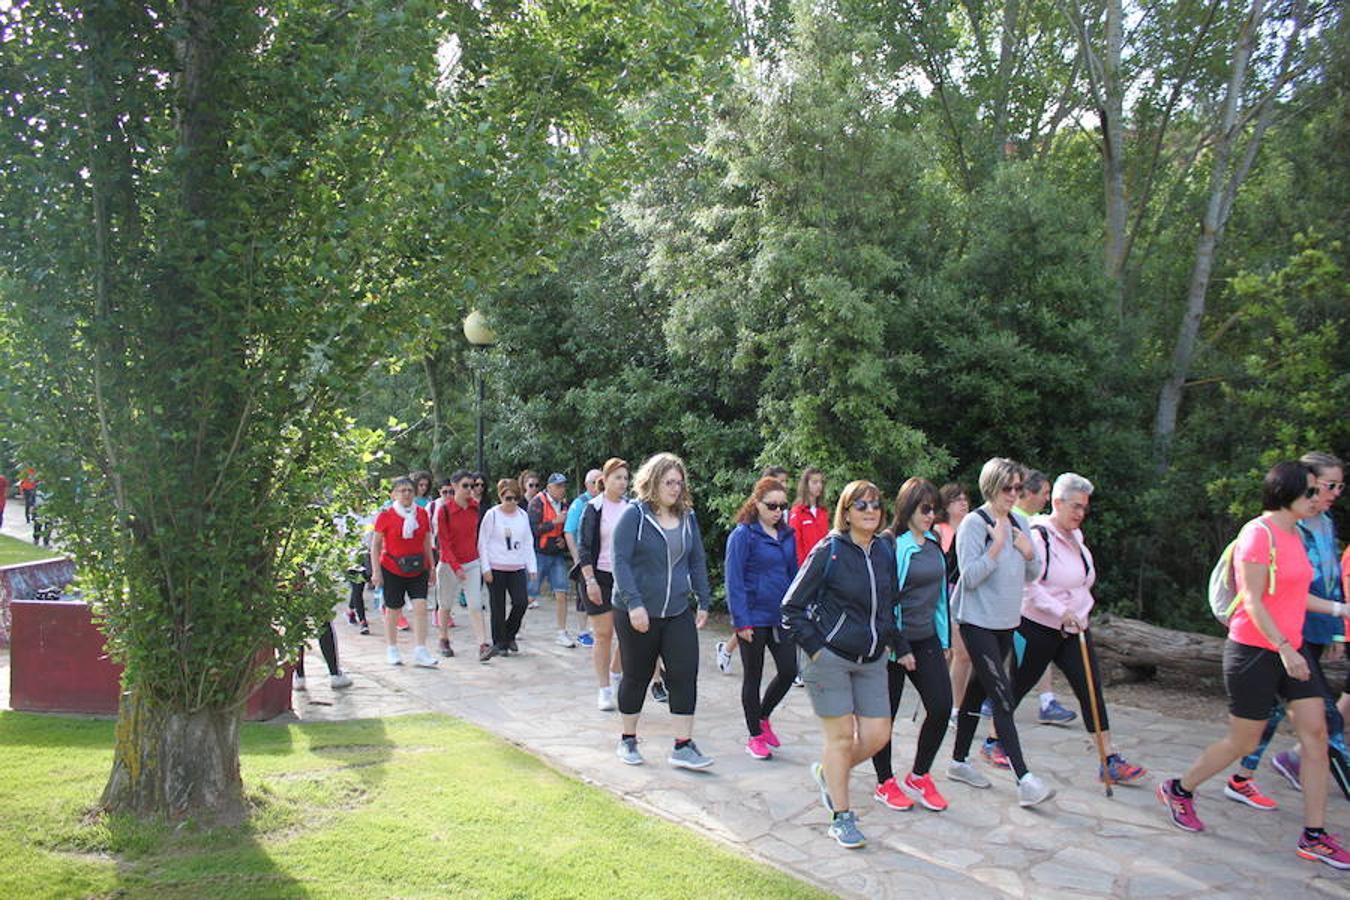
(1338, 609)
(590, 581)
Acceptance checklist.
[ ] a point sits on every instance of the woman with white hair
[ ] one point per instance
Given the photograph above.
(1055, 609)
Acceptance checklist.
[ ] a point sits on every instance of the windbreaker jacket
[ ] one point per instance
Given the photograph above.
(1064, 583)
(905, 548)
(644, 574)
(758, 570)
(809, 526)
(852, 610)
(1319, 539)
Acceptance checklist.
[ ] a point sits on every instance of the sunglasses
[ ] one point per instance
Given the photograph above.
(445, 491)
(925, 509)
(775, 507)
(1312, 492)
(478, 485)
(468, 486)
(1332, 485)
(532, 484)
(509, 498)
(864, 505)
(1012, 488)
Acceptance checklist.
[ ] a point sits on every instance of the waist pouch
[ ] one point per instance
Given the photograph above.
(413, 565)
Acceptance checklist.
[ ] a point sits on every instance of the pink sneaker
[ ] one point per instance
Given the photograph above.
(766, 732)
(758, 747)
(1326, 848)
(924, 791)
(888, 793)
(1180, 809)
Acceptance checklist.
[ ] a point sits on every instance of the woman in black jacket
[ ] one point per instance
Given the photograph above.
(595, 566)
(840, 609)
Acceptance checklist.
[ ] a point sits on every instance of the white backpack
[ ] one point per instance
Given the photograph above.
(1223, 593)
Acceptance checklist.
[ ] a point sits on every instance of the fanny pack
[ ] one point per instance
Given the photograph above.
(413, 565)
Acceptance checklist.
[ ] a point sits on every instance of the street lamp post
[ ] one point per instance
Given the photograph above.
(479, 334)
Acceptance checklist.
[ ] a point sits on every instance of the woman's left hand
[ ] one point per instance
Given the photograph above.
(745, 634)
(700, 618)
(907, 661)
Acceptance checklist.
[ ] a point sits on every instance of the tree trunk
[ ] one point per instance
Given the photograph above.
(1113, 154)
(174, 764)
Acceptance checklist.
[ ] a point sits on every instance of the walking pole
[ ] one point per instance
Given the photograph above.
(1096, 714)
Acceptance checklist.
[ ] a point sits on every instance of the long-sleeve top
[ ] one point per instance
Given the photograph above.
(651, 572)
(456, 531)
(809, 525)
(759, 567)
(1063, 582)
(990, 591)
(844, 598)
(497, 552)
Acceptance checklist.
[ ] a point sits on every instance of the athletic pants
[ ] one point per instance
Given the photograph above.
(934, 684)
(675, 642)
(988, 649)
(784, 652)
(1046, 645)
(328, 646)
(505, 627)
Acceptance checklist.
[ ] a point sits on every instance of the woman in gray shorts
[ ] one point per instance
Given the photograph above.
(840, 609)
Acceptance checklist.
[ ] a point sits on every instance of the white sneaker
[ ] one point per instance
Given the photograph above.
(723, 658)
(605, 699)
(340, 680)
(299, 682)
(422, 657)
(391, 654)
(1031, 790)
(564, 639)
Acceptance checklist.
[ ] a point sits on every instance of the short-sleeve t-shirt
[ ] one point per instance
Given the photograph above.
(390, 524)
(1293, 574)
(610, 511)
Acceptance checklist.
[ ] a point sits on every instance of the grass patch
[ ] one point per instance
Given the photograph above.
(419, 806)
(14, 551)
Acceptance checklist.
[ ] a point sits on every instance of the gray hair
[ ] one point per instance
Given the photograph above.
(1032, 479)
(592, 475)
(1320, 462)
(1070, 483)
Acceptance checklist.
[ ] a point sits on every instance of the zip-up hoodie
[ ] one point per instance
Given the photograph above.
(758, 570)
(990, 591)
(810, 525)
(1064, 587)
(644, 574)
(852, 612)
(905, 549)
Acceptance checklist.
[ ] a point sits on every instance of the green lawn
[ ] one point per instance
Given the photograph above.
(422, 806)
(13, 550)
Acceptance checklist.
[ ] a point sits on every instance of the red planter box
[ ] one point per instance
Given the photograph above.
(57, 664)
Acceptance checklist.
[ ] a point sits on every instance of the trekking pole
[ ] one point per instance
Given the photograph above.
(1096, 713)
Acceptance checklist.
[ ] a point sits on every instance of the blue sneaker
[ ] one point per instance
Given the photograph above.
(585, 639)
(844, 829)
(1054, 713)
(986, 710)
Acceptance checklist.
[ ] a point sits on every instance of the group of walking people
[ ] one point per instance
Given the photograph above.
(971, 609)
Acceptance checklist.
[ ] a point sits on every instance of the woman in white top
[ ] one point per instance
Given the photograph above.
(506, 548)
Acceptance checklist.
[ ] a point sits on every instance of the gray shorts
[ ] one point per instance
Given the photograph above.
(841, 687)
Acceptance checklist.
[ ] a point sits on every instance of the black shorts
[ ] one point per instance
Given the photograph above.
(1254, 677)
(397, 587)
(606, 581)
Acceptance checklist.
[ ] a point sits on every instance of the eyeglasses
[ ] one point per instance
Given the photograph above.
(864, 505)
(1012, 488)
(1331, 486)
(775, 507)
(673, 483)
(1312, 492)
(509, 498)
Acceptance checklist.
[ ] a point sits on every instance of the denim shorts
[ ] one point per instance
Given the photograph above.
(842, 687)
(553, 569)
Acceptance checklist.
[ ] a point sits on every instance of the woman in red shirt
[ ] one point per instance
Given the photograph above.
(809, 518)
(401, 547)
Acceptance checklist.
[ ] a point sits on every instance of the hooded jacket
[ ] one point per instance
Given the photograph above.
(758, 570)
(1063, 583)
(645, 576)
(850, 610)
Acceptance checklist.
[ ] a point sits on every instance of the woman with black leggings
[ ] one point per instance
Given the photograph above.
(659, 572)
(761, 562)
(996, 560)
(921, 573)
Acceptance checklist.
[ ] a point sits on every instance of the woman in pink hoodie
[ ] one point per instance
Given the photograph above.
(1055, 609)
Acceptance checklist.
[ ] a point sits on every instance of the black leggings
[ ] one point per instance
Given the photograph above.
(357, 602)
(988, 649)
(506, 627)
(934, 684)
(1047, 645)
(784, 653)
(675, 642)
(328, 646)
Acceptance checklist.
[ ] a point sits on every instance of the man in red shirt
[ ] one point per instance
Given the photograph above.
(459, 568)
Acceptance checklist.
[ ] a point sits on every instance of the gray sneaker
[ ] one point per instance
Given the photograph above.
(1031, 790)
(844, 829)
(818, 773)
(688, 757)
(628, 752)
(965, 773)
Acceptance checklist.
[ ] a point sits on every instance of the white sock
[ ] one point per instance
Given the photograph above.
(1047, 698)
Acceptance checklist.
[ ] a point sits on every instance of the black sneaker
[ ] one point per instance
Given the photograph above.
(659, 692)
(446, 649)
(511, 645)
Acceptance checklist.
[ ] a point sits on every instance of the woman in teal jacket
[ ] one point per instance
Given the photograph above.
(921, 654)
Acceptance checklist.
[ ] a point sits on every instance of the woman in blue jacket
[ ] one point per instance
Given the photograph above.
(760, 564)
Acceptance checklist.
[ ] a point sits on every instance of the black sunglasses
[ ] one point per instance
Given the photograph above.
(925, 509)
(509, 498)
(776, 507)
(864, 505)
(1312, 492)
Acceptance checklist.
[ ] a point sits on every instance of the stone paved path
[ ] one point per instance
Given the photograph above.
(1080, 844)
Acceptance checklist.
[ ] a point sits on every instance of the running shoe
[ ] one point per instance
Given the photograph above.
(463, 602)
(1180, 809)
(627, 751)
(450, 621)
(604, 700)
(992, 751)
(797, 682)
(758, 747)
(1121, 772)
(564, 639)
(1324, 848)
(403, 623)
(586, 639)
(512, 646)
(534, 604)
(1031, 790)
(446, 649)
(766, 732)
(844, 829)
(423, 659)
(818, 773)
(659, 692)
(351, 617)
(888, 794)
(723, 658)
(391, 654)
(688, 757)
(1054, 713)
(924, 791)
(987, 709)
(299, 683)
(365, 628)
(967, 774)
(339, 681)
(486, 652)
(1247, 792)
(1287, 764)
